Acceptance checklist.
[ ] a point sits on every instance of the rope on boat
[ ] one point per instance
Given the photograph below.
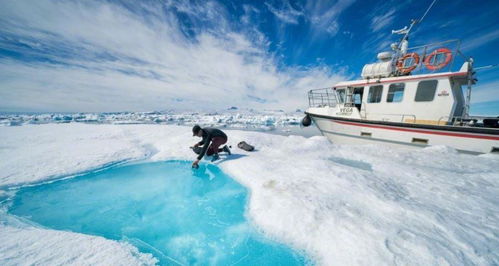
(427, 10)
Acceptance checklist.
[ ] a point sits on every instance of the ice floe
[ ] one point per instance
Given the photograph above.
(233, 117)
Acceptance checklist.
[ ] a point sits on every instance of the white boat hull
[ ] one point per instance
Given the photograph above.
(359, 132)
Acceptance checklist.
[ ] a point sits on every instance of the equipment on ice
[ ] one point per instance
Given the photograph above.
(245, 146)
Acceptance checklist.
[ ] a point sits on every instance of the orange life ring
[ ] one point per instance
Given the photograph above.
(428, 60)
(406, 69)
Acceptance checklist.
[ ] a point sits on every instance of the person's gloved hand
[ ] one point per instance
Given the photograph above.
(195, 164)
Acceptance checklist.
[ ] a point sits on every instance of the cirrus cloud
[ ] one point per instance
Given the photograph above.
(103, 56)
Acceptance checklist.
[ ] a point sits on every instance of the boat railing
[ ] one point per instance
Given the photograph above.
(406, 115)
(445, 119)
(431, 58)
(322, 97)
(394, 117)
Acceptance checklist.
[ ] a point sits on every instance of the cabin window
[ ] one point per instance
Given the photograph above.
(426, 91)
(341, 95)
(395, 92)
(375, 93)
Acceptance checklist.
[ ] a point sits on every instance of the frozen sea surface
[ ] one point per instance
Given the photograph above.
(342, 204)
(180, 215)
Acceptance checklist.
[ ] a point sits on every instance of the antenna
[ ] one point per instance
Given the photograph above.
(486, 67)
(402, 46)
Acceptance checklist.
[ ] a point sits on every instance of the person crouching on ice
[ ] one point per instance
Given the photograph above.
(216, 136)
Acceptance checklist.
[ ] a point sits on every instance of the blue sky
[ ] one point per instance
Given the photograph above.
(202, 55)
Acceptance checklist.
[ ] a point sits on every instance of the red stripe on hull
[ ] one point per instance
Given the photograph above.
(460, 135)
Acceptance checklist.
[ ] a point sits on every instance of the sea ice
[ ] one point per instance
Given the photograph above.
(343, 204)
(233, 118)
(29, 245)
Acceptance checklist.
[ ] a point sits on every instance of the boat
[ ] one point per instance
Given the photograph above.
(412, 97)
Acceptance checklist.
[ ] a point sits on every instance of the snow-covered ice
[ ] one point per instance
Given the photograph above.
(342, 204)
(36, 246)
(233, 118)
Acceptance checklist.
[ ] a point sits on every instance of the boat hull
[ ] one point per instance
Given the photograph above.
(357, 131)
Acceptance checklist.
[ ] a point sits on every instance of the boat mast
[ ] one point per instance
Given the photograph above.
(468, 93)
(402, 46)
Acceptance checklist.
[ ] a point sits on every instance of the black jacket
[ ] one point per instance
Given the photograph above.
(208, 134)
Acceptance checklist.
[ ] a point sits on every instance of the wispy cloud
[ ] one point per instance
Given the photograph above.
(285, 12)
(249, 12)
(377, 43)
(324, 15)
(381, 21)
(482, 39)
(100, 56)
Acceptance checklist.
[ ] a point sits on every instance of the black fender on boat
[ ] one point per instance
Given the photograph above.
(306, 121)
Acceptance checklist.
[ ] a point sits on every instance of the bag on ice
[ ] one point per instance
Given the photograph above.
(245, 146)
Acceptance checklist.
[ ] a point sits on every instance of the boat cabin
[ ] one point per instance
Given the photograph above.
(404, 88)
(427, 99)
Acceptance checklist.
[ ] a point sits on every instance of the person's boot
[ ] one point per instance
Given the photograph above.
(215, 157)
(226, 149)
